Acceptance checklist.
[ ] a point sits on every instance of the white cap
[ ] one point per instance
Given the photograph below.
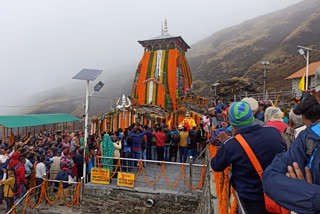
(253, 103)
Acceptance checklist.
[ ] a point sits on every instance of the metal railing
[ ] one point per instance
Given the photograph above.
(151, 169)
(283, 95)
(34, 194)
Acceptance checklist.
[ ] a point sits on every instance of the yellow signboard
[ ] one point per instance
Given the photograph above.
(125, 179)
(99, 177)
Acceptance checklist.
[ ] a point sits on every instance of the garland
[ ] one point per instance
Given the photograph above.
(189, 100)
(222, 187)
(44, 193)
(172, 66)
(140, 91)
(162, 170)
(148, 76)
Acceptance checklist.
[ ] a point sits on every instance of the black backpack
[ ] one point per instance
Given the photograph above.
(175, 138)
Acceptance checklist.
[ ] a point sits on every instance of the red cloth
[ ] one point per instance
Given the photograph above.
(14, 160)
(281, 126)
(161, 138)
(21, 172)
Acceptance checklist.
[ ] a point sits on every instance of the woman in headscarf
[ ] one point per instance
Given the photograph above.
(273, 117)
(107, 150)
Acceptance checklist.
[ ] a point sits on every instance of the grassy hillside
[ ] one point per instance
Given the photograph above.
(239, 50)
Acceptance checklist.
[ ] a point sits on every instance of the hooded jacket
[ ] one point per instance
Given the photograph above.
(14, 160)
(294, 194)
(265, 142)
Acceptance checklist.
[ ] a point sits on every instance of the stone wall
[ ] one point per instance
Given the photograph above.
(104, 199)
(295, 85)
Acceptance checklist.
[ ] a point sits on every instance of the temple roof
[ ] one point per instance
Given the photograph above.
(162, 37)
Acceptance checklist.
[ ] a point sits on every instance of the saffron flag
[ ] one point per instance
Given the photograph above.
(301, 83)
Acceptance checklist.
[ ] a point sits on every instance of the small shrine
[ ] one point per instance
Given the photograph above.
(162, 88)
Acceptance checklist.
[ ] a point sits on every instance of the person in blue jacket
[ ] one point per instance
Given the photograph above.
(293, 178)
(265, 142)
(136, 137)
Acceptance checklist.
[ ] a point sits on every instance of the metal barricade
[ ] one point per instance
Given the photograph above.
(35, 196)
(162, 175)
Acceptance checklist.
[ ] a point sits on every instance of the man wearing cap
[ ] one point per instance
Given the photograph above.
(265, 142)
(254, 105)
(292, 179)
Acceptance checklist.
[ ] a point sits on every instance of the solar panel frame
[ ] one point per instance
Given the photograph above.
(87, 74)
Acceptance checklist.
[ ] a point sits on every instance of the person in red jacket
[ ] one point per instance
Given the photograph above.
(161, 138)
(20, 174)
(14, 160)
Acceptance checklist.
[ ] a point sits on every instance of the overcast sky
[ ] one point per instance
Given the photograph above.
(44, 43)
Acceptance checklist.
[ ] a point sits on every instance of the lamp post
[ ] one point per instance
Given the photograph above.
(215, 88)
(265, 63)
(302, 53)
(88, 75)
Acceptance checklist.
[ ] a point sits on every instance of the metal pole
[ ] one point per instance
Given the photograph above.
(86, 130)
(82, 187)
(307, 71)
(95, 160)
(190, 177)
(264, 81)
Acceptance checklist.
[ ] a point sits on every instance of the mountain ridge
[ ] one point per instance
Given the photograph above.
(238, 50)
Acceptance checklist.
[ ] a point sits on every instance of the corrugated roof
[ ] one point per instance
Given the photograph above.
(312, 71)
(15, 121)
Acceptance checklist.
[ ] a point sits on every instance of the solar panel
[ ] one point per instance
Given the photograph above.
(87, 74)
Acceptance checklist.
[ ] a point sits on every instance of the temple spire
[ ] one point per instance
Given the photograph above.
(165, 28)
(161, 29)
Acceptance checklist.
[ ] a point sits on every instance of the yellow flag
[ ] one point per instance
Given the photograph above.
(301, 83)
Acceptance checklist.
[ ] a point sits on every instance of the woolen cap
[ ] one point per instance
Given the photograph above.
(253, 103)
(240, 115)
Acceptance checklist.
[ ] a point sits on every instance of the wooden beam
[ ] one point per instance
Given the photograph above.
(4, 133)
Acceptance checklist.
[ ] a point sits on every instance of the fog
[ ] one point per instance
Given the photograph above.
(43, 44)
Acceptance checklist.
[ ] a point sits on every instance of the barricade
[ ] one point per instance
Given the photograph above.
(159, 169)
(50, 191)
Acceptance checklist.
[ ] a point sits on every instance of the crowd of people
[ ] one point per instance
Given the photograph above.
(273, 152)
(27, 161)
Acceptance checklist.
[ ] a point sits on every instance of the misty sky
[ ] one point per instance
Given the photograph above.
(44, 43)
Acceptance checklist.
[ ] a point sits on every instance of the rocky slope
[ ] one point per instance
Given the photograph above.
(238, 51)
